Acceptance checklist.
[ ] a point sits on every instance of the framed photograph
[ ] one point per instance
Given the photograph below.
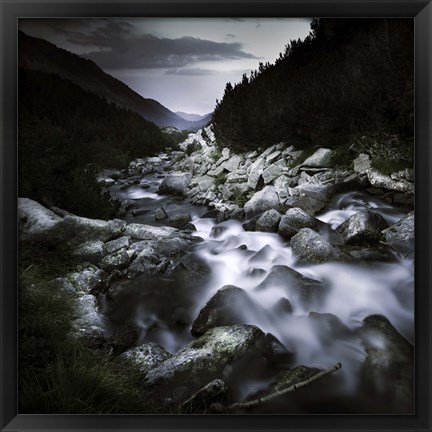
(216, 215)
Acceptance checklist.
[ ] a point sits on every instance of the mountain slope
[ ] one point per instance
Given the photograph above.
(190, 117)
(38, 54)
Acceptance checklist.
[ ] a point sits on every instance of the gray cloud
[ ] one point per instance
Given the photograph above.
(190, 71)
(119, 45)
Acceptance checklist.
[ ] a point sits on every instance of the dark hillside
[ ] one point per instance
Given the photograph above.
(66, 134)
(40, 55)
(348, 78)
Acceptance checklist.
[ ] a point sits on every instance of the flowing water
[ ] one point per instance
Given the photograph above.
(244, 259)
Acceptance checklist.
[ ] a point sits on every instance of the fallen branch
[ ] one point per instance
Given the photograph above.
(259, 401)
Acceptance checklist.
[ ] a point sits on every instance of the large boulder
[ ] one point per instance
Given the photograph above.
(263, 200)
(300, 289)
(294, 220)
(268, 221)
(320, 159)
(388, 370)
(401, 235)
(37, 224)
(310, 248)
(146, 356)
(311, 198)
(202, 361)
(175, 184)
(363, 226)
(148, 232)
(225, 308)
(95, 229)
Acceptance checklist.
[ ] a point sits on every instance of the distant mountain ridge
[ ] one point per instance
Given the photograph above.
(190, 117)
(39, 54)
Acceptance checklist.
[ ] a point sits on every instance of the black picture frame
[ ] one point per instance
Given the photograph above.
(420, 10)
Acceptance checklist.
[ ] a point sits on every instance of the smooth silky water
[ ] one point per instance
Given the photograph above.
(164, 309)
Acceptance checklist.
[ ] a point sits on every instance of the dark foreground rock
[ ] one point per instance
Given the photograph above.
(201, 361)
(146, 356)
(37, 224)
(175, 184)
(294, 220)
(388, 369)
(401, 235)
(300, 289)
(363, 226)
(309, 247)
(230, 305)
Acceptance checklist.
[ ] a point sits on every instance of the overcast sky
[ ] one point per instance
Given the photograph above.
(184, 63)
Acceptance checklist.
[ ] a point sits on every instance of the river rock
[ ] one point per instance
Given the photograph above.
(92, 251)
(321, 158)
(90, 279)
(117, 244)
(214, 392)
(90, 327)
(180, 221)
(268, 221)
(299, 288)
(147, 262)
(310, 248)
(263, 200)
(160, 213)
(149, 232)
(363, 226)
(389, 366)
(294, 220)
(175, 184)
(95, 229)
(401, 235)
(146, 356)
(225, 308)
(37, 224)
(282, 307)
(255, 172)
(311, 198)
(329, 325)
(202, 360)
(118, 260)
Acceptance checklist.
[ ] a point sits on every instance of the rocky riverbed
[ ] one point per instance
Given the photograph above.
(228, 277)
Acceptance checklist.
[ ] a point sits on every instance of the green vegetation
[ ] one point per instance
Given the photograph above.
(240, 198)
(216, 154)
(348, 78)
(57, 374)
(219, 180)
(66, 135)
